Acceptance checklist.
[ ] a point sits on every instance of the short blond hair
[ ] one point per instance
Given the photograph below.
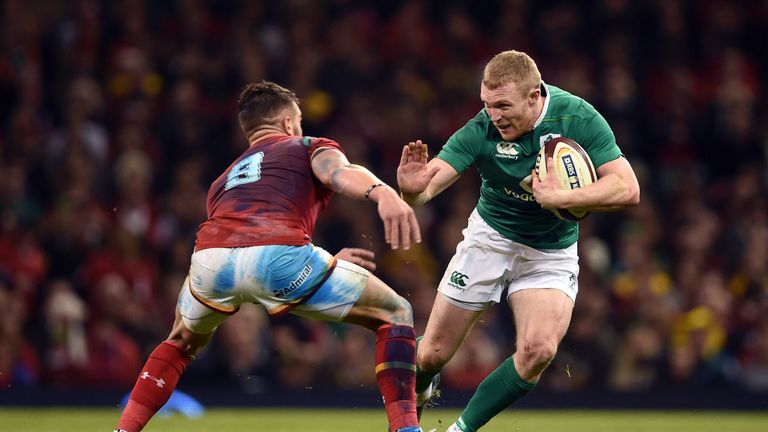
(512, 66)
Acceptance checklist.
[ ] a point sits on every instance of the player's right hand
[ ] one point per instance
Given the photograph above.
(413, 175)
(362, 257)
(548, 192)
(400, 225)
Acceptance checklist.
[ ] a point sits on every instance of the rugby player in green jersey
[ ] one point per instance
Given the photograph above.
(512, 244)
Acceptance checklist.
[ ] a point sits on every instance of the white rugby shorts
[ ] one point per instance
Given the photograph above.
(303, 280)
(487, 263)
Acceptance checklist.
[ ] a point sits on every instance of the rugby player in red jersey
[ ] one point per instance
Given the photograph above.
(256, 247)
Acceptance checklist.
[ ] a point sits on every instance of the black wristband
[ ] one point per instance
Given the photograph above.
(371, 188)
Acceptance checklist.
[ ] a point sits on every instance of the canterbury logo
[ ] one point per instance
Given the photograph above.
(508, 150)
(458, 278)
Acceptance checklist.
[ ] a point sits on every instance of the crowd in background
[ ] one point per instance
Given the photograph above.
(115, 116)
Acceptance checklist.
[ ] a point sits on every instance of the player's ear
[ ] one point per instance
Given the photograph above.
(286, 124)
(534, 95)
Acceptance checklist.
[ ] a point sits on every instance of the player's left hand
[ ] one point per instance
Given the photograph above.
(401, 229)
(413, 173)
(548, 192)
(362, 257)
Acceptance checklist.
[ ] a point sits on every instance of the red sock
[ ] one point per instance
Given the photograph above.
(396, 373)
(154, 386)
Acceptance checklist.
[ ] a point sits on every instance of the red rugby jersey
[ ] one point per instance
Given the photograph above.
(269, 195)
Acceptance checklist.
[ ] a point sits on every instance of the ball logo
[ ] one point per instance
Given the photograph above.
(508, 150)
(573, 169)
(570, 171)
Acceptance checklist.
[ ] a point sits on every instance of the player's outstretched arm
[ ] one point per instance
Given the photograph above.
(420, 179)
(332, 169)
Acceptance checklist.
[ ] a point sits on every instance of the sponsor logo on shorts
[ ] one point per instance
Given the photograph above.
(572, 282)
(296, 282)
(458, 280)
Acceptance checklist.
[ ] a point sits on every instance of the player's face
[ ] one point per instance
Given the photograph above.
(512, 111)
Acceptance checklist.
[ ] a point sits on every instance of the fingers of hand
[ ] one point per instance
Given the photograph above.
(415, 229)
(368, 265)
(359, 256)
(365, 262)
(424, 152)
(394, 233)
(406, 156)
(405, 231)
(388, 230)
(417, 151)
(364, 253)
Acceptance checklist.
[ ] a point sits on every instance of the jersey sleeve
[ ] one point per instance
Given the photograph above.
(314, 143)
(598, 140)
(460, 150)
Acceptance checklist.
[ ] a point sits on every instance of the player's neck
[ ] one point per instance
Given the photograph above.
(265, 133)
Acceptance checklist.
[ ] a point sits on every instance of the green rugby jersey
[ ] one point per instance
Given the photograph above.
(505, 204)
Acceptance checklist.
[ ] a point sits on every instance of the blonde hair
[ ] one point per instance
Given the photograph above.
(512, 66)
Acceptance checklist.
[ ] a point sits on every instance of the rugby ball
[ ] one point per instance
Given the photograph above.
(572, 167)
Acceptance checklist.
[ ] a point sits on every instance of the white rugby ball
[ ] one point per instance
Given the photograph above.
(572, 167)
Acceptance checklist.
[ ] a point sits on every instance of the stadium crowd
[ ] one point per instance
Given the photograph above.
(115, 116)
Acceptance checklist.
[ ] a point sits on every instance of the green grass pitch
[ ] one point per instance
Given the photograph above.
(364, 420)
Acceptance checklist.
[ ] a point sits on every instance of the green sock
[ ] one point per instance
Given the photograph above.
(423, 379)
(497, 391)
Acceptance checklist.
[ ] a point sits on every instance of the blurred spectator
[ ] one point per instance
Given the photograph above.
(636, 363)
(19, 360)
(478, 356)
(244, 345)
(303, 350)
(67, 348)
(754, 368)
(357, 350)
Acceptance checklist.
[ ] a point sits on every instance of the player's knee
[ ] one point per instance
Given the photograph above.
(402, 313)
(537, 354)
(431, 360)
(188, 341)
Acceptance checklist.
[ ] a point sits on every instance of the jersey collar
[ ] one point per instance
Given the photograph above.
(545, 95)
